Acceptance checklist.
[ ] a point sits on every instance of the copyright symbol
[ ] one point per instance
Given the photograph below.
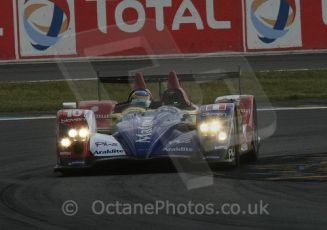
(69, 208)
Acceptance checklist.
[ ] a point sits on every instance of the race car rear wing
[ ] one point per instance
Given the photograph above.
(159, 78)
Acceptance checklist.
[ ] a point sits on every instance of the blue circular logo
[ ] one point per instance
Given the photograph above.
(44, 36)
(272, 29)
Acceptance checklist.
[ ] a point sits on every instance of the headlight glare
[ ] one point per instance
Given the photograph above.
(204, 127)
(83, 133)
(222, 136)
(210, 127)
(65, 142)
(215, 126)
(72, 133)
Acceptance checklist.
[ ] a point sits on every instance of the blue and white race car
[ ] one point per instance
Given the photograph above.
(143, 129)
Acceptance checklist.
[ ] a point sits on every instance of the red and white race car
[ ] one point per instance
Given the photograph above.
(142, 128)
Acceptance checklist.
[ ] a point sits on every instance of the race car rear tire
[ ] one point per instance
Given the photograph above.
(237, 160)
(253, 155)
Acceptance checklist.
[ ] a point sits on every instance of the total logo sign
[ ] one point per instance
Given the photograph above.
(160, 6)
(273, 24)
(324, 11)
(46, 27)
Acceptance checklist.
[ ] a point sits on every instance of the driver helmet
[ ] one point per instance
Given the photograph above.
(141, 98)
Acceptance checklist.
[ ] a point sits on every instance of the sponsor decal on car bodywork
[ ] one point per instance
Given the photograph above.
(108, 152)
(70, 120)
(178, 149)
(105, 145)
(145, 131)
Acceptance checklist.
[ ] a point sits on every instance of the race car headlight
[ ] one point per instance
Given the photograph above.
(212, 127)
(65, 142)
(204, 128)
(72, 133)
(83, 133)
(77, 134)
(215, 126)
(222, 136)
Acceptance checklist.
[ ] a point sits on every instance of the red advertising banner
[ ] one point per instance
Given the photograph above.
(7, 38)
(128, 27)
(150, 27)
(109, 28)
(314, 24)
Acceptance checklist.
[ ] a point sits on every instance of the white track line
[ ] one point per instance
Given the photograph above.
(293, 108)
(26, 118)
(47, 81)
(262, 109)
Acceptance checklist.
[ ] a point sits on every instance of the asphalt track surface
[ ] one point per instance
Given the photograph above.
(87, 69)
(290, 176)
